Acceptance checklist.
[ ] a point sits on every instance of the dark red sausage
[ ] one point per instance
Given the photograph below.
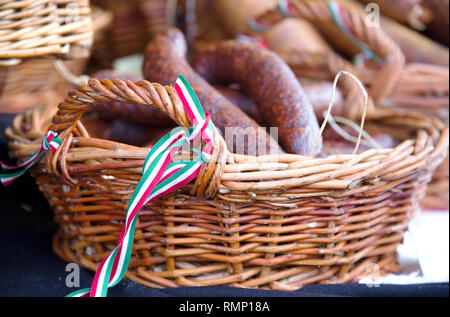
(318, 93)
(165, 59)
(271, 84)
(123, 132)
(236, 96)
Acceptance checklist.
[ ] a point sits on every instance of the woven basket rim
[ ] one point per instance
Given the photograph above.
(238, 173)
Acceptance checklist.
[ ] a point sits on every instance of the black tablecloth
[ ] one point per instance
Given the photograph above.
(28, 266)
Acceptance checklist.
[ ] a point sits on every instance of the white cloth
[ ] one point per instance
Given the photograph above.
(131, 64)
(424, 254)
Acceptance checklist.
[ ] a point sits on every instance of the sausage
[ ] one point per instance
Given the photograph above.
(165, 59)
(293, 39)
(438, 29)
(123, 132)
(318, 93)
(236, 96)
(271, 84)
(132, 113)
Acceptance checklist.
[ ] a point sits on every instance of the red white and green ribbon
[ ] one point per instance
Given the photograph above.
(257, 26)
(160, 176)
(285, 8)
(252, 38)
(12, 172)
(340, 19)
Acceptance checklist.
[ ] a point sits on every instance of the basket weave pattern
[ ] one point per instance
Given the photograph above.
(36, 28)
(420, 87)
(32, 35)
(276, 221)
(134, 23)
(396, 84)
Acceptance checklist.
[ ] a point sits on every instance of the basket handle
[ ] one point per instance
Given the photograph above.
(117, 90)
(66, 123)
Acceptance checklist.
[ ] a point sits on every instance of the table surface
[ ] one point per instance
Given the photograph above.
(29, 267)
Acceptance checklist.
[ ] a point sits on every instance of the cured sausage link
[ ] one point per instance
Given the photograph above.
(165, 59)
(271, 84)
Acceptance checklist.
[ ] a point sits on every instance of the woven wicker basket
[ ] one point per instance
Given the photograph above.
(394, 83)
(127, 33)
(418, 87)
(101, 54)
(33, 34)
(133, 24)
(277, 221)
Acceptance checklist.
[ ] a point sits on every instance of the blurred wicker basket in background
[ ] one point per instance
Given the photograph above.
(101, 54)
(133, 24)
(33, 34)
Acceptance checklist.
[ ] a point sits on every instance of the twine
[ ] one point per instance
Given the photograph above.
(331, 104)
(333, 121)
(68, 76)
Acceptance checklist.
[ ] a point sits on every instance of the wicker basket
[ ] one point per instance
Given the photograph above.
(33, 34)
(133, 24)
(277, 222)
(418, 87)
(101, 55)
(127, 33)
(391, 84)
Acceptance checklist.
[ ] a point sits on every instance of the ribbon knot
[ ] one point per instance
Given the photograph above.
(13, 172)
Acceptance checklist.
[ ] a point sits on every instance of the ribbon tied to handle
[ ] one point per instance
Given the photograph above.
(160, 176)
(12, 172)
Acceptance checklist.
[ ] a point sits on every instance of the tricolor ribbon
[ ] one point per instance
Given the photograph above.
(257, 26)
(340, 19)
(160, 176)
(13, 172)
(252, 38)
(285, 8)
